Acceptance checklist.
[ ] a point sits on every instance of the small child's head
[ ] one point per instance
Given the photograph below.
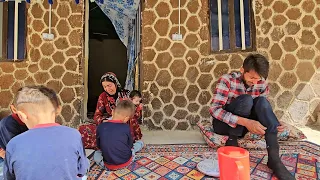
(33, 105)
(123, 111)
(136, 97)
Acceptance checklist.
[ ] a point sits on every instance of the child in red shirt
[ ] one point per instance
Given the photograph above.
(136, 134)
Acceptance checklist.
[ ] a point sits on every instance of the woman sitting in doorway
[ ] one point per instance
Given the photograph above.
(107, 101)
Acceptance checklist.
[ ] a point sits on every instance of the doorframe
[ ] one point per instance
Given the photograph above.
(138, 71)
(86, 59)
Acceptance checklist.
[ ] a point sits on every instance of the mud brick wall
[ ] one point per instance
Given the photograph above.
(56, 64)
(179, 76)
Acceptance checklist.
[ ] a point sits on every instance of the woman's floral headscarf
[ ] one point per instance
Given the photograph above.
(111, 77)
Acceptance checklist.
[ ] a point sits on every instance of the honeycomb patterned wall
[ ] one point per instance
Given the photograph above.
(56, 64)
(179, 77)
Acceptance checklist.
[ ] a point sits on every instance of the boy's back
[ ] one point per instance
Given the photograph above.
(115, 141)
(47, 151)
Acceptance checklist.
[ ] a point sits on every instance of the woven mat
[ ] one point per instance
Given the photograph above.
(171, 162)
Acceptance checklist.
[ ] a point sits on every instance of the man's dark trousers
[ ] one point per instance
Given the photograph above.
(258, 109)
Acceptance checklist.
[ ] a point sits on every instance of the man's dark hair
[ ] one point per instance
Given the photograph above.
(258, 63)
(135, 93)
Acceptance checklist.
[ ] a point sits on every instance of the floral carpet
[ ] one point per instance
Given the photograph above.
(171, 162)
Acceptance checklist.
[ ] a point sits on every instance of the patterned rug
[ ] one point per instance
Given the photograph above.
(171, 162)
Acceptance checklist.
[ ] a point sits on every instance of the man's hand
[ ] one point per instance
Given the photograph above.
(281, 127)
(252, 126)
(2, 153)
(256, 127)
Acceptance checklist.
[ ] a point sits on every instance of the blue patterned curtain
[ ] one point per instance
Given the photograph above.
(122, 14)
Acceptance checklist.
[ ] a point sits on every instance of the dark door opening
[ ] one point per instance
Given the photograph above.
(106, 53)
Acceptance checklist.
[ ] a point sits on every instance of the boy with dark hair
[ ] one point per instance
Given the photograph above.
(240, 105)
(136, 97)
(39, 153)
(114, 140)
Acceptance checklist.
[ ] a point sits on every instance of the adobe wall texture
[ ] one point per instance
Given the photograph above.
(56, 64)
(179, 77)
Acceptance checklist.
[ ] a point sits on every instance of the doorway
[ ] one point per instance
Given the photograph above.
(106, 53)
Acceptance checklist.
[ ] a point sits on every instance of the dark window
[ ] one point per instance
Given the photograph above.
(7, 20)
(231, 25)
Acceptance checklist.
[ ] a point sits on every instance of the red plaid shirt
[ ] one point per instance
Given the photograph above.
(229, 87)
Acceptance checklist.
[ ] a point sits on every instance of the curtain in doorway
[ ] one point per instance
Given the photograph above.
(122, 14)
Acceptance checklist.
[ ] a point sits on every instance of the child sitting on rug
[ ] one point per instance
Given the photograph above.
(134, 122)
(12, 126)
(114, 139)
(47, 150)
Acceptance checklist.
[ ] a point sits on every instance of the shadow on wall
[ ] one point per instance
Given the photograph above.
(303, 105)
